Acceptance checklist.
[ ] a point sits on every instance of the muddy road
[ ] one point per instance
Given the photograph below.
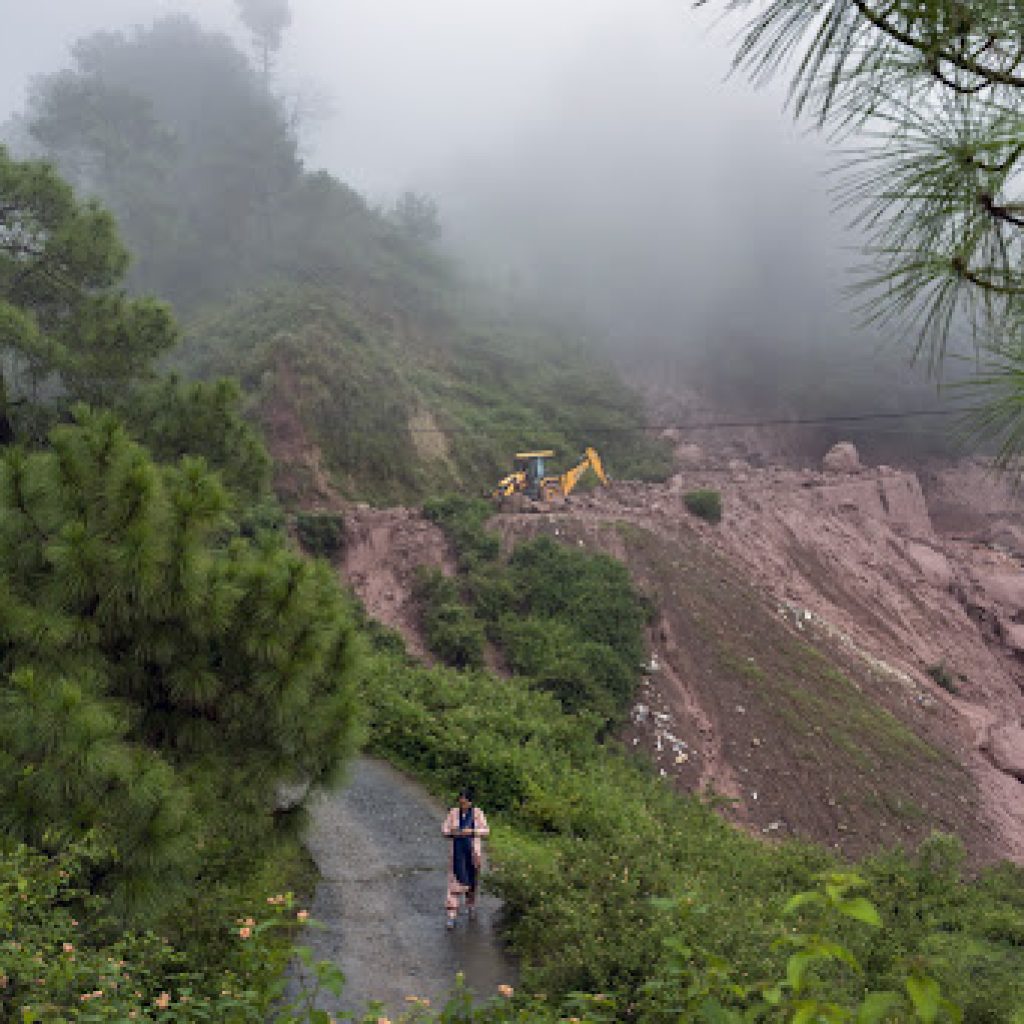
(377, 842)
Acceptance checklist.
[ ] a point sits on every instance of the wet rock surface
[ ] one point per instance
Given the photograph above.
(1006, 747)
(378, 845)
(841, 458)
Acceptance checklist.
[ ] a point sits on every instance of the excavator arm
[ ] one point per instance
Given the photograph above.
(567, 482)
(571, 477)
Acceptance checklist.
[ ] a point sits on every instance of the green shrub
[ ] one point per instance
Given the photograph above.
(569, 620)
(705, 504)
(941, 674)
(582, 674)
(321, 534)
(583, 837)
(450, 628)
(590, 592)
(262, 519)
(464, 520)
(66, 955)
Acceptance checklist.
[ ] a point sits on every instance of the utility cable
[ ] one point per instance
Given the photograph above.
(739, 424)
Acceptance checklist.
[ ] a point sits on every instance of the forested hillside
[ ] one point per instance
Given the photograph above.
(351, 333)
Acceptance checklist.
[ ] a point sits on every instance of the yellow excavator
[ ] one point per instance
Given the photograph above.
(529, 478)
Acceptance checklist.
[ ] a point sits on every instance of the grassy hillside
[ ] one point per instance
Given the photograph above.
(367, 368)
(392, 393)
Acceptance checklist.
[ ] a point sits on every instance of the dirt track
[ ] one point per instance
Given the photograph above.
(381, 857)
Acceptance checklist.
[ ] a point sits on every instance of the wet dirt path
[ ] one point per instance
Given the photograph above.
(377, 842)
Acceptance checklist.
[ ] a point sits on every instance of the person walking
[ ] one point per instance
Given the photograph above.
(466, 826)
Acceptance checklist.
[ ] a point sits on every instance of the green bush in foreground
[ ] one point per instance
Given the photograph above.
(65, 955)
(705, 504)
(71, 961)
(583, 837)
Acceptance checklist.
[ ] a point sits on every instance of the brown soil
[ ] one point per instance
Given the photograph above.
(789, 660)
(383, 550)
(801, 736)
(860, 555)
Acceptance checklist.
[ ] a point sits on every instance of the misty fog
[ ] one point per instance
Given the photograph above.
(590, 158)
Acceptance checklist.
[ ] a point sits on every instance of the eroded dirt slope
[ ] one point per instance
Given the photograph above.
(744, 698)
(383, 550)
(825, 657)
(854, 554)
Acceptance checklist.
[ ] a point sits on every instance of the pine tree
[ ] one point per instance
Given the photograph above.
(67, 331)
(929, 96)
(173, 418)
(160, 679)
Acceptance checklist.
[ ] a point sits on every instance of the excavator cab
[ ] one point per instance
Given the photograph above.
(532, 465)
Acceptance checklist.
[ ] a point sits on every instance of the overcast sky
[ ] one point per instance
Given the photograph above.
(594, 145)
(419, 86)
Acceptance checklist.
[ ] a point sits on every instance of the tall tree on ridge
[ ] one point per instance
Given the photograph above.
(266, 20)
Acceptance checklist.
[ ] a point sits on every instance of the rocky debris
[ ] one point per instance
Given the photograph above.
(931, 563)
(842, 458)
(690, 456)
(1005, 587)
(1006, 749)
(856, 557)
(970, 500)
(1013, 636)
(990, 586)
(904, 503)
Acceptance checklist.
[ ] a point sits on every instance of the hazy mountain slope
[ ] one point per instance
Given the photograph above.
(376, 398)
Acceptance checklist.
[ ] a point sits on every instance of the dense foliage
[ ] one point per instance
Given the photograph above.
(569, 621)
(450, 628)
(66, 331)
(322, 534)
(161, 677)
(66, 954)
(704, 503)
(585, 837)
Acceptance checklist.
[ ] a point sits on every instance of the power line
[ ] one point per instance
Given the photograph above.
(739, 424)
